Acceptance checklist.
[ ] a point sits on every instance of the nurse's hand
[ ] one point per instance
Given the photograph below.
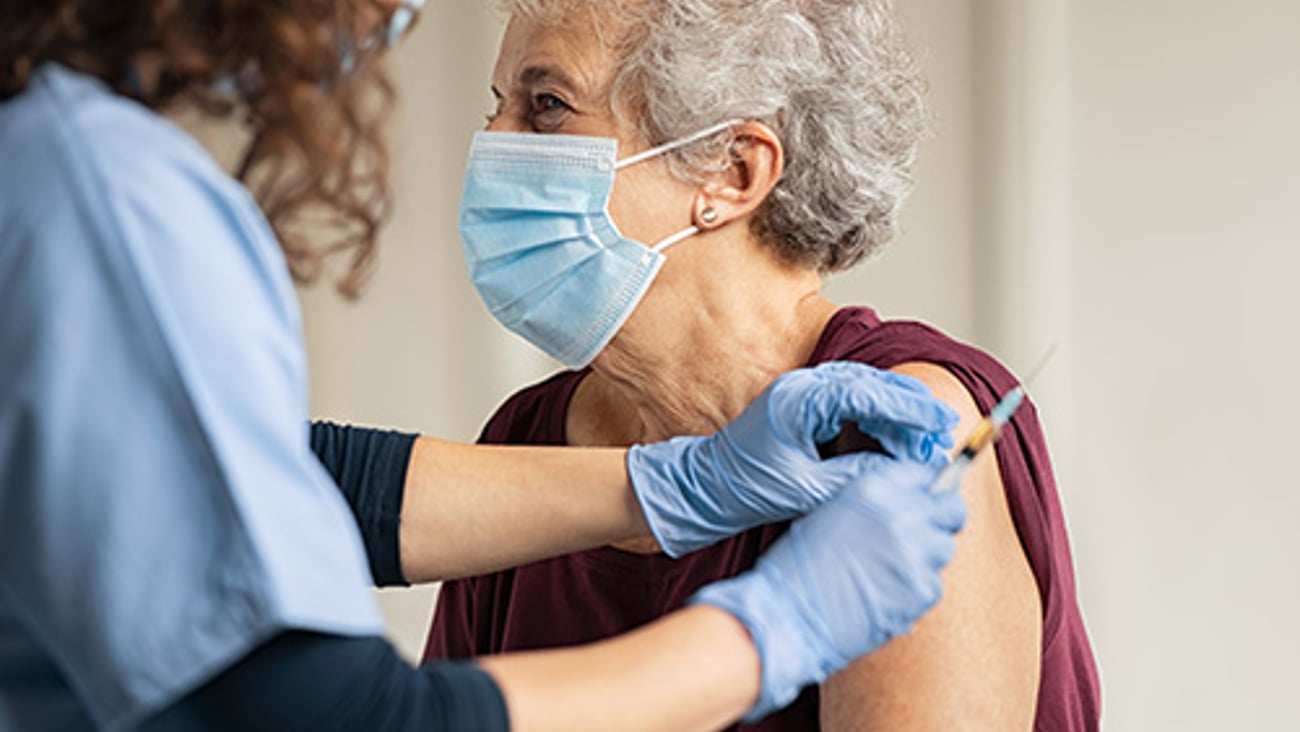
(845, 579)
(764, 467)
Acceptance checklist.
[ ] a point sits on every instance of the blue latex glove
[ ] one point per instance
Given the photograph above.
(764, 468)
(844, 580)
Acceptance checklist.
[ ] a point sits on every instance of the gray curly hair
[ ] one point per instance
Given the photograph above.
(832, 78)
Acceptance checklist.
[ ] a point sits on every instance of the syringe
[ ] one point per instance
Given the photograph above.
(986, 432)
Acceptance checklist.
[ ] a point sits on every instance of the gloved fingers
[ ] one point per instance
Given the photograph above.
(947, 549)
(943, 513)
(842, 471)
(907, 442)
(873, 480)
(930, 590)
(949, 511)
(864, 397)
(903, 381)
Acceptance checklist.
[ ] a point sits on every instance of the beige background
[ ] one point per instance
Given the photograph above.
(1117, 177)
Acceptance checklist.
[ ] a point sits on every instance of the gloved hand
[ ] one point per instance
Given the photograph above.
(846, 578)
(764, 467)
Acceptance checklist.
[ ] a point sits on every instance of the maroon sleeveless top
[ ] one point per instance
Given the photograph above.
(596, 594)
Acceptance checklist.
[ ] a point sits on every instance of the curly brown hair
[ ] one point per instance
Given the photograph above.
(316, 153)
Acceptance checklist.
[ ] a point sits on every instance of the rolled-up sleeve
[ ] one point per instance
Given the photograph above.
(370, 468)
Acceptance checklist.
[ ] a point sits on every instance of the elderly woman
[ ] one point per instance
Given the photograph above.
(761, 145)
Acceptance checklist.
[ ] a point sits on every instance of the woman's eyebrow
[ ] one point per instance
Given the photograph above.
(534, 75)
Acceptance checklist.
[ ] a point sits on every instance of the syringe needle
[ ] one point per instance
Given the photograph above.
(987, 431)
(1037, 370)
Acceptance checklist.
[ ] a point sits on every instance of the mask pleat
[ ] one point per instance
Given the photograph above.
(541, 248)
(495, 237)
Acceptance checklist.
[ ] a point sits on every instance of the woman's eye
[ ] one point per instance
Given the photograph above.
(548, 103)
(549, 111)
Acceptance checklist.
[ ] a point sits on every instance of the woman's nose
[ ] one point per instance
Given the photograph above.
(505, 123)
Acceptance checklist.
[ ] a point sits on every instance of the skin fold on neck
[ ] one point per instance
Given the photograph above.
(721, 322)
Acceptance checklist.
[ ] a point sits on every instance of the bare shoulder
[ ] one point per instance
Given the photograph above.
(944, 385)
(973, 662)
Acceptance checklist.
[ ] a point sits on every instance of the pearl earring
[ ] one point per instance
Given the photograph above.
(709, 216)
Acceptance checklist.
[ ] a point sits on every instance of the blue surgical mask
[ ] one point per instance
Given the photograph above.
(542, 250)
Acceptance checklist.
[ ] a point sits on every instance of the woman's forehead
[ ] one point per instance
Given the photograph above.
(568, 50)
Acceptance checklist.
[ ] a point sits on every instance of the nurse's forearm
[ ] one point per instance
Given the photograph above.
(696, 669)
(471, 509)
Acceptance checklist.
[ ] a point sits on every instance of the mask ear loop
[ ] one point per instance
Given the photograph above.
(675, 144)
(654, 152)
(677, 238)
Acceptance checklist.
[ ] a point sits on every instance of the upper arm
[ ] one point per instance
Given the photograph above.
(972, 662)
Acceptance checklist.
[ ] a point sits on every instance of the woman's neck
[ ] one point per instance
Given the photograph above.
(709, 337)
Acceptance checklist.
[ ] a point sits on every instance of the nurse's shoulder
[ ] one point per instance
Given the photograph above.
(121, 236)
(98, 186)
(68, 133)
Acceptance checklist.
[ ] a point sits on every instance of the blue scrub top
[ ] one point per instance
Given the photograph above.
(161, 512)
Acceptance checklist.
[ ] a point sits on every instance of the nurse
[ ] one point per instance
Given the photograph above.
(175, 556)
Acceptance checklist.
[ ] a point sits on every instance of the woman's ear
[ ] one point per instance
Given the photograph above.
(754, 165)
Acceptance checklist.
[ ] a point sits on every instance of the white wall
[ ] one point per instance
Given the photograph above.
(926, 272)
(1119, 177)
(1185, 270)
